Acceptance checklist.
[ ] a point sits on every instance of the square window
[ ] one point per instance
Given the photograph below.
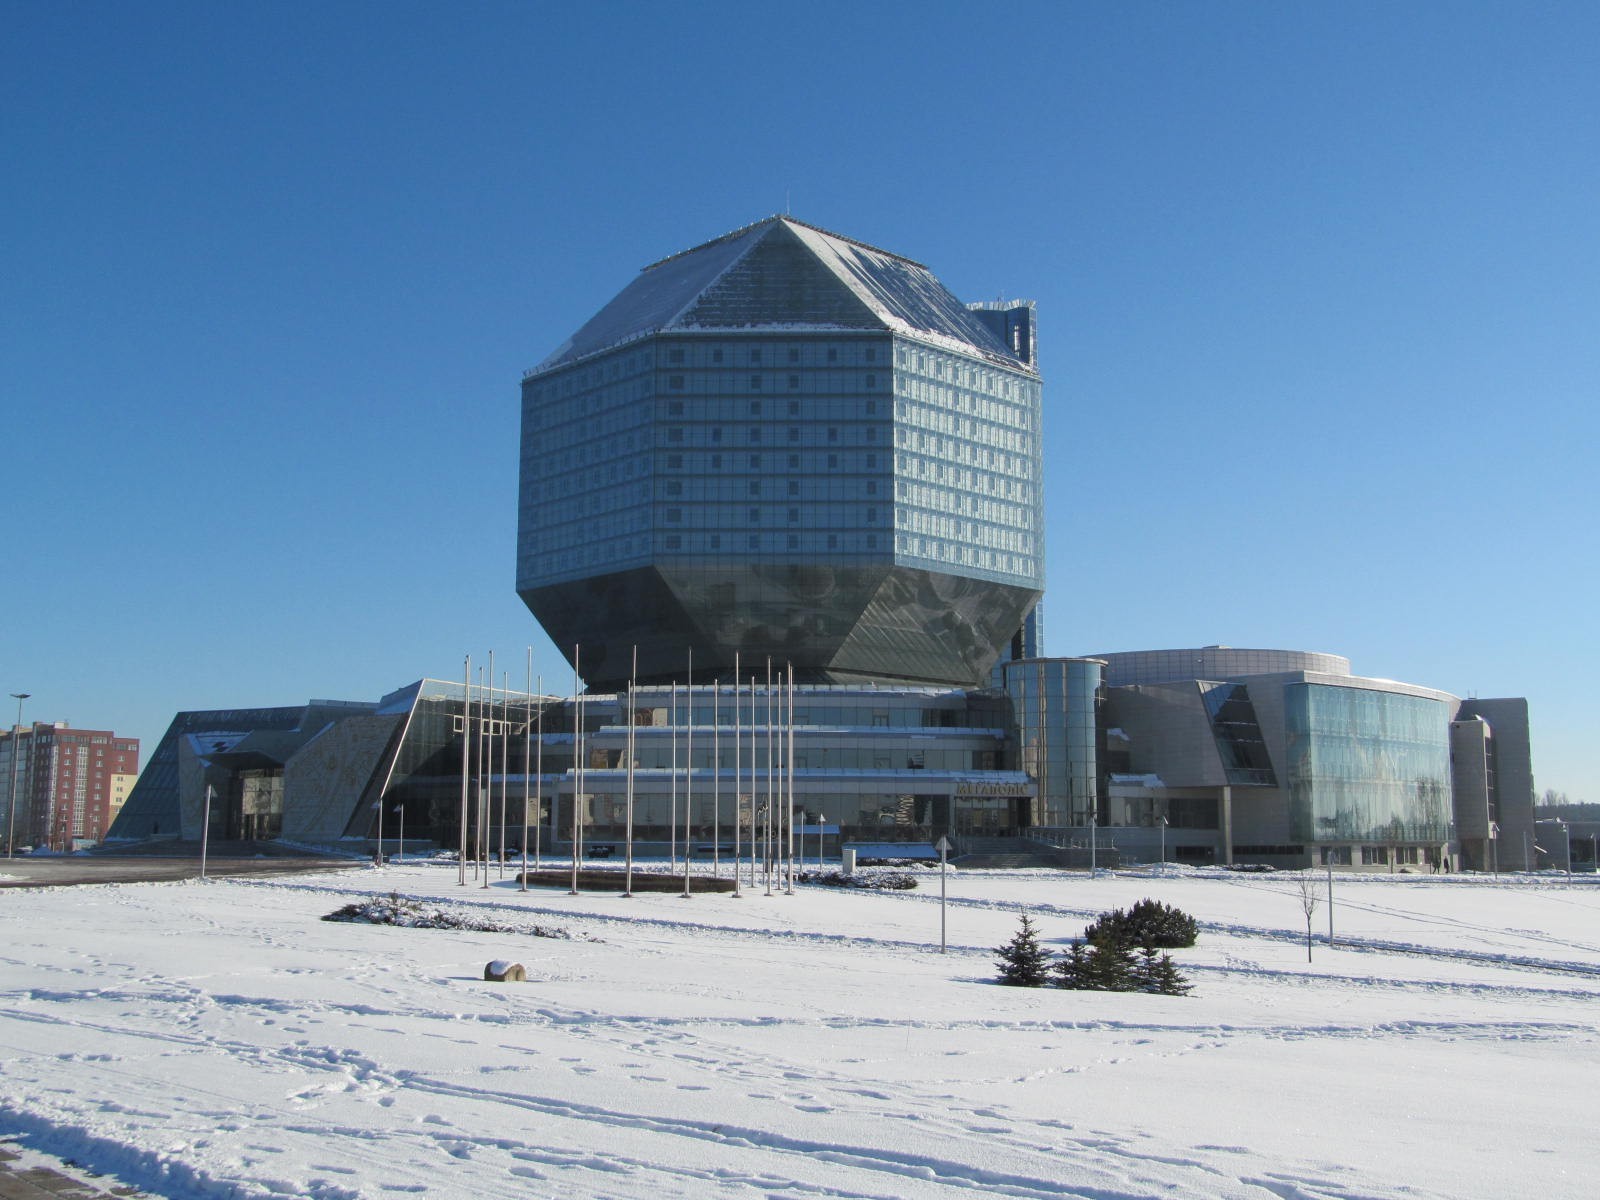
(675, 356)
(675, 408)
(872, 354)
(794, 462)
(833, 541)
(794, 516)
(794, 354)
(755, 433)
(754, 541)
(794, 434)
(755, 462)
(674, 515)
(872, 516)
(755, 487)
(716, 355)
(794, 487)
(675, 434)
(674, 541)
(755, 355)
(674, 487)
(716, 462)
(755, 408)
(833, 433)
(675, 382)
(872, 487)
(755, 516)
(794, 541)
(872, 381)
(716, 433)
(833, 462)
(716, 538)
(755, 383)
(833, 354)
(794, 382)
(872, 406)
(674, 462)
(794, 408)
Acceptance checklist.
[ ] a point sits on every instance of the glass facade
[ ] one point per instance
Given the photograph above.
(801, 448)
(1240, 746)
(1367, 766)
(1055, 705)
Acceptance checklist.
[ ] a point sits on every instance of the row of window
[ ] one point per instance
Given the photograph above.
(835, 383)
(830, 487)
(678, 435)
(755, 356)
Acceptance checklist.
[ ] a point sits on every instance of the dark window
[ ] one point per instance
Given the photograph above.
(794, 354)
(675, 356)
(675, 434)
(755, 356)
(755, 383)
(872, 354)
(872, 381)
(833, 354)
(716, 356)
(794, 381)
(675, 382)
(674, 462)
(675, 408)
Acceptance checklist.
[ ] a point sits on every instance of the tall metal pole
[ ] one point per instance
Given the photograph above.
(486, 777)
(205, 831)
(577, 766)
(1330, 905)
(788, 791)
(538, 779)
(466, 755)
(16, 756)
(716, 778)
(633, 678)
(672, 780)
(688, 775)
(527, 763)
(766, 831)
(505, 742)
(738, 786)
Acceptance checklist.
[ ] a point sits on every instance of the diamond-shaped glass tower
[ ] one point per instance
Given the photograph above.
(786, 444)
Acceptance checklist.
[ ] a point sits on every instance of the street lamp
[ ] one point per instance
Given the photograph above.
(16, 751)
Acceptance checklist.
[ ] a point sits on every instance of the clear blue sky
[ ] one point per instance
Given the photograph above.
(1318, 286)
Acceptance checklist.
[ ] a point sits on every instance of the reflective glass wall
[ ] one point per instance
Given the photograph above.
(1367, 765)
(1055, 701)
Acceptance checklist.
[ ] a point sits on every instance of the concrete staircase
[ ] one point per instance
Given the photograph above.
(1007, 852)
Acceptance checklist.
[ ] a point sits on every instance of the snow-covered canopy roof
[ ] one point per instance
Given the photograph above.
(783, 275)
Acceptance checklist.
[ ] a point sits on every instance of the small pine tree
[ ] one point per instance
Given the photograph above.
(1072, 971)
(1112, 967)
(1023, 962)
(1169, 981)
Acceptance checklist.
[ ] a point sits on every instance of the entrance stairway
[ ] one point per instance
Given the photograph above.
(1007, 852)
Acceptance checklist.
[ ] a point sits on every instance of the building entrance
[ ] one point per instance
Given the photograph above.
(990, 816)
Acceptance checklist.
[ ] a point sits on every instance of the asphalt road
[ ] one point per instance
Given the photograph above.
(68, 870)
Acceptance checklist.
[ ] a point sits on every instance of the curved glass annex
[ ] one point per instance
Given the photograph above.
(1366, 765)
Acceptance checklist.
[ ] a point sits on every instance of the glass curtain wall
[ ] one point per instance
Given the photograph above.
(1055, 701)
(1366, 765)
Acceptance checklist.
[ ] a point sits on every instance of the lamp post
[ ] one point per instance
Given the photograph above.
(1163, 845)
(16, 751)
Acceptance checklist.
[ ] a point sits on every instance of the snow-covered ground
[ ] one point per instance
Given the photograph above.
(219, 1039)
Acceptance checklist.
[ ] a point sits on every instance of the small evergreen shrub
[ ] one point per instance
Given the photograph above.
(1149, 924)
(1023, 962)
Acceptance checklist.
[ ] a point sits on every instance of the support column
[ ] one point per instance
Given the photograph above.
(1227, 825)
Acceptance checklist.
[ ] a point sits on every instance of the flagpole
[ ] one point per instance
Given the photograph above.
(466, 754)
(688, 775)
(633, 677)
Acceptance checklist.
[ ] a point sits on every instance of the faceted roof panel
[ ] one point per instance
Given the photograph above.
(781, 274)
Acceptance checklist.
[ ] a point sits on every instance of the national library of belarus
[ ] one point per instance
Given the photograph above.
(785, 455)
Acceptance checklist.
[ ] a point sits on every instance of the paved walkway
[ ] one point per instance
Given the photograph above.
(28, 1179)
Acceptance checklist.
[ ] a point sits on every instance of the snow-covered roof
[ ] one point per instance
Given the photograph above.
(783, 275)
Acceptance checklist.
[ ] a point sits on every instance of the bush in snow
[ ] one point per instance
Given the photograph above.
(1148, 923)
(871, 880)
(395, 909)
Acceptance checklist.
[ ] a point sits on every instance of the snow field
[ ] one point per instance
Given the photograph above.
(219, 1039)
